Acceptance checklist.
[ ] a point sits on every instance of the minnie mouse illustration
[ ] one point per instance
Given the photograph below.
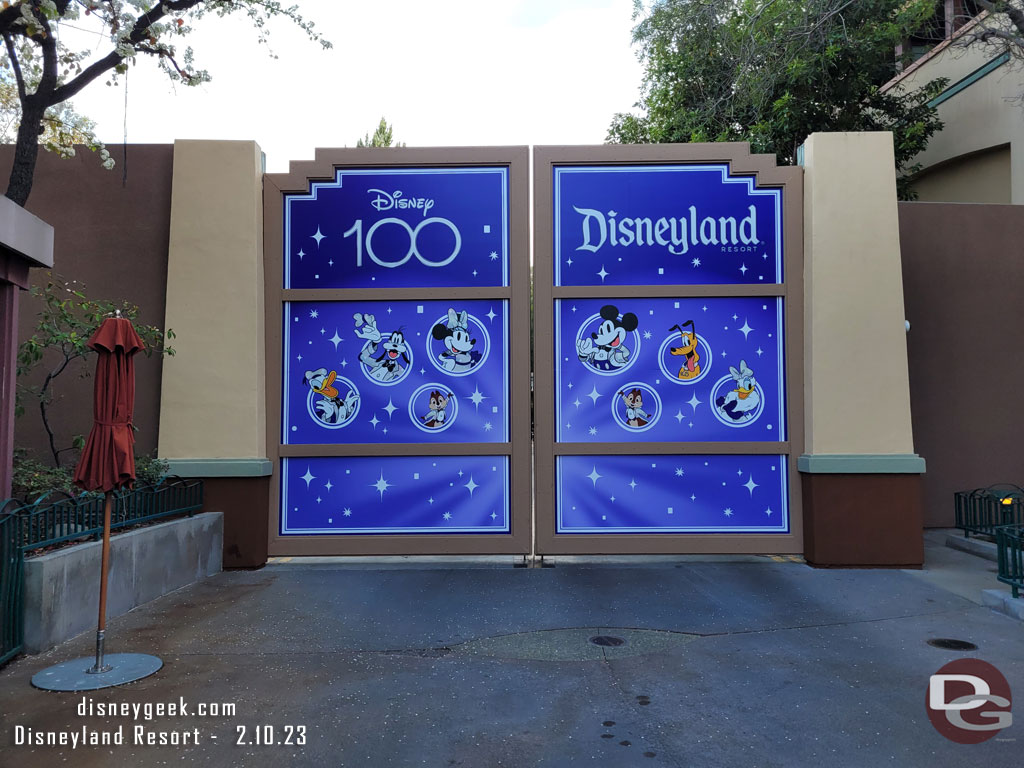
(385, 367)
(459, 355)
(604, 350)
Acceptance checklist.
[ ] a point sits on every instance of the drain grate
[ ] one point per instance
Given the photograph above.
(608, 641)
(949, 644)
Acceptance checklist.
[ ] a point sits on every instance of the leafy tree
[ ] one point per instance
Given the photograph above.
(60, 343)
(45, 73)
(771, 72)
(998, 24)
(382, 137)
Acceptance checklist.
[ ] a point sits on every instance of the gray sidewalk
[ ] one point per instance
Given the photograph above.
(727, 662)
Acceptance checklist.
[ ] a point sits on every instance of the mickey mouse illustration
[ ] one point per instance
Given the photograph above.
(385, 367)
(331, 408)
(636, 416)
(459, 355)
(604, 349)
(438, 404)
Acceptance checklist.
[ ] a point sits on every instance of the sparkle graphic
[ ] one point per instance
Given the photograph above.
(760, 351)
(344, 362)
(390, 408)
(594, 476)
(308, 477)
(381, 485)
(375, 421)
(692, 497)
(705, 307)
(314, 314)
(322, 331)
(679, 416)
(477, 397)
(743, 269)
(695, 262)
(768, 511)
(593, 430)
(318, 237)
(494, 255)
(612, 499)
(331, 263)
(389, 310)
(647, 334)
(346, 512)
(570, 385)
(447, 515)
(487, 426)
(568, 262)
(318, 499)
(735, 317)
(602, 274)
(328, 486)
(679, 472)
(739, 472)
(764, 256)
(594, 394)
(471, 486)
(728, 512)
(693, 402)
(745, 329)
(632, 484)
(430, 500)
(493, 515)
(301, 254)
(577, 402)
(750, 485)
(422, 371)
(461, 473)
(491, 314)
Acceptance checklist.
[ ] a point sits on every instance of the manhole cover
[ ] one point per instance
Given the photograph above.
(609, 641)
(952, 645)
(575, 644)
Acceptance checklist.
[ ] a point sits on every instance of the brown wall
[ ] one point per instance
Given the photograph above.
(112, 238)
(963, 278)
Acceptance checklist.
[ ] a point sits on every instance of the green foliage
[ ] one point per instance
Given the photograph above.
(771, 72)
(32, 479)
(60, 343)
(149, 470)
(382, 137)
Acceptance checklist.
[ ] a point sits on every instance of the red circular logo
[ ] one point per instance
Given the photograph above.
(968, 701)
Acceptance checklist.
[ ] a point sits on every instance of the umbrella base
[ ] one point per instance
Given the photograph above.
(75, 675)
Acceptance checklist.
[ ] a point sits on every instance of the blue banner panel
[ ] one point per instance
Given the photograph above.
(395, 372)
(669, 370)
(652, 225)
(672, 494)
(394, 494)
(399, 227)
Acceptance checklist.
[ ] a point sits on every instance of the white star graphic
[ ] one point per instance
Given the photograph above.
(487, 426)
(594, 476)
(735, 317)
(705, 307)
(318, 237)
(344, 362)
(375, 421)
(760, 351)
(491, 314)
(594, 394)
(493, 515)
(768, 511)
(693, 402)
(335, 339)
(745, 329)
(739, 472)
(328, 486)
(593, 430)
(679, 472)
(764, 256)
(308, 477)
(447, 515)
(647, 334)
(471, 485)
(692, 497)
(613, 499)
(301, 254)
(331, 262)
(430, 500)
(576, 402)
(494, 255)
(477, 397)
(314, 314)
(570, 385)
(381, 485)
(679, 416)
(743, 269)
(695, 262)
(568, 262)
(318, 499)
(322, 331)
(347, 512)
(632, 484)
(728, 512)
(750, 485)
(602, 273)
(390, 408)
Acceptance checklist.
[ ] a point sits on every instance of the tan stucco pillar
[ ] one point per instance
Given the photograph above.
(213, 408)
(860, 473)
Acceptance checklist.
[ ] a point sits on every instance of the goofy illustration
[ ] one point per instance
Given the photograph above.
(386, 366)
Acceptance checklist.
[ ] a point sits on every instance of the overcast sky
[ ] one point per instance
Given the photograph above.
(444, 73)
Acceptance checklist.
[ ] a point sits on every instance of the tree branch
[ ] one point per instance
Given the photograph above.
(15, 65)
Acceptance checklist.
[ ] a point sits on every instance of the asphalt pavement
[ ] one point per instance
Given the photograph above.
(709, 661)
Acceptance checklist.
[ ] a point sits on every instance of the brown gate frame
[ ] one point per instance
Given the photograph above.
(740, 162)
(517, 293)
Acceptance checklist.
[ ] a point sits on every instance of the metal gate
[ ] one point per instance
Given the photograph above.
(668, 310)
(11, 582)
(398, 352)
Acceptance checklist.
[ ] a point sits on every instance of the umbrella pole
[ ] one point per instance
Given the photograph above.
(101, 624)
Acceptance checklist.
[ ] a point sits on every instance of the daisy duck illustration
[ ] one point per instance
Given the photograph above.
(741, 403)
(383, 356)
(604, 350)
(438, 404)
(636, 416)
(459, 355)
(331, 408)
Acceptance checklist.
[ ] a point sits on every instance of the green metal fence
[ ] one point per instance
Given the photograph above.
(1010, 549)
(25, 527)
(983, 510)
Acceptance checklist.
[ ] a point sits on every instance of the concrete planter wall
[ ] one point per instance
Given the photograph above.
(62, 587)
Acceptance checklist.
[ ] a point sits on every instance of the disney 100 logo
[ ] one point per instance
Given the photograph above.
(387, 201)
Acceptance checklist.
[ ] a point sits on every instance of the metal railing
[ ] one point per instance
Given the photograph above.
(983, 510)
(1010, 556)
(28, 526)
